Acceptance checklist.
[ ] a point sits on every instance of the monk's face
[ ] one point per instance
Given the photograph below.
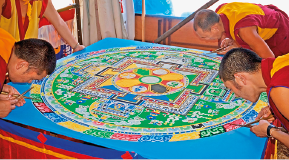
(25, 76)
(246, 91)
(213, 34)
(20, 72)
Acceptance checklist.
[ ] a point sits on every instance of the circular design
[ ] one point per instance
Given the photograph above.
(150, 80)
(127, 75)
(155, 80)
(141, 94)
(160, 71)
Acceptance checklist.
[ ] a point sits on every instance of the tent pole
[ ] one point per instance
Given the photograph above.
(183, 22)
(78, 22)
(143, 20)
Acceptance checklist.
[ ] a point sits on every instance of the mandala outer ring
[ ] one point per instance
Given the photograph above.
(43, 93)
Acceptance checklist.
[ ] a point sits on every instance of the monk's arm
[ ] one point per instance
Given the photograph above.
(54, 18)
(250, 36)
(280, 96)
(281, 136)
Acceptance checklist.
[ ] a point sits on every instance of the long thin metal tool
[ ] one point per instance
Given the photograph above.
(263, 118)
(16, 95)
(21, 95)
(249, 125)
(217, 50)
(242, 125)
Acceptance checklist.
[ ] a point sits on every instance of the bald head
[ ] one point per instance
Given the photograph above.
(205, 19)
(238, 60)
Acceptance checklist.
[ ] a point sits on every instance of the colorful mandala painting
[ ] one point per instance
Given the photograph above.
(155, 94)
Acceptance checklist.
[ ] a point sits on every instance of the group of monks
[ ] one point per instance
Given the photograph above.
(254, 38)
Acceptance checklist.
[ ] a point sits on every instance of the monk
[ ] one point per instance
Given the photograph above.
(248, 75)
(22, 62)
(21, 19)
(261, 28)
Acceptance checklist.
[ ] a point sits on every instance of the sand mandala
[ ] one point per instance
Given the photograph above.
(155, 94)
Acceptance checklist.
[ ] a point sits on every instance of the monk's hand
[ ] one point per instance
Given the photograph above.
(265, 112)
(260, 130)
(19, 102)
(227, 44)
(6, 106)
(78, 48)
(11, 91)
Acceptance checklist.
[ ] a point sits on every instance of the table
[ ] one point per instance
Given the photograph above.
(236, 144)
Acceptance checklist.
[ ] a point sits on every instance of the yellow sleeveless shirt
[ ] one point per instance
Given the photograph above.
(11, 24)
(236, 11)
(279, 63)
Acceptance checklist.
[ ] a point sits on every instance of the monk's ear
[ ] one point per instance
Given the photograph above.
(241, 79)
(22, 65)
(215, 27)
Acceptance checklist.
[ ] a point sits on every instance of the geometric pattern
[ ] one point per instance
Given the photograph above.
(156, 94)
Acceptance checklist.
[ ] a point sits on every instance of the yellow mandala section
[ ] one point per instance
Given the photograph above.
(73, 126)
(261, 104)
(185, 136)
(36, 89)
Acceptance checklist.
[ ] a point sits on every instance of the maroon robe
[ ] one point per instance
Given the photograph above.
(279, 79)
(3, 70)
(273, 18)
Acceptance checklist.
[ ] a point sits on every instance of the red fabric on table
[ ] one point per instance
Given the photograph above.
(16, 147)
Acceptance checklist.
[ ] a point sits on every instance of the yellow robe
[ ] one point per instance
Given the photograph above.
(6, 44)
(236, 11)
(11, 24)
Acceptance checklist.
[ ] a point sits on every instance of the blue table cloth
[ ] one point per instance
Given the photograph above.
(236, 144)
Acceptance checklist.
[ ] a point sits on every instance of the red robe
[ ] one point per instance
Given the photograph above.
(278, 43)
(3, 70)
(279, 79)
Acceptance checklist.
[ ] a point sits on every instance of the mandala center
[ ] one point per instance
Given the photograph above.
(150, 80)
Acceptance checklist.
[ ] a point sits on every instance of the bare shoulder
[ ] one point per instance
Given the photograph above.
(280, 92)
(248, 30)
(280, 96)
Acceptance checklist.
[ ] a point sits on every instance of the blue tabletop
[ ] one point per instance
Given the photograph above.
(236, 144)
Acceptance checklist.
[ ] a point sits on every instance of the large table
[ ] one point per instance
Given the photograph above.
(237, 144)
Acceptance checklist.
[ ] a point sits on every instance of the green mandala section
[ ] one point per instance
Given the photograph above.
(142, 94)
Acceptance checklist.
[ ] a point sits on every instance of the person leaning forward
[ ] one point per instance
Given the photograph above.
(248, 75)
(22, 62)
(261, 28)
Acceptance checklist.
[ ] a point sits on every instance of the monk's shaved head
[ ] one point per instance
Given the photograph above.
(38, 53)
(238, 60)
(205, 19)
